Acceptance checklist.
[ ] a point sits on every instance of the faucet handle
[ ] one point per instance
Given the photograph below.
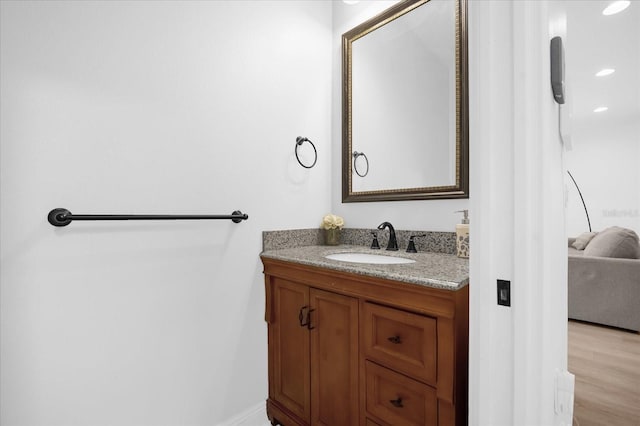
(411, 248)
(374, 244)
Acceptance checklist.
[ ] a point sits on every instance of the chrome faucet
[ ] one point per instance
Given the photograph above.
(393, 243)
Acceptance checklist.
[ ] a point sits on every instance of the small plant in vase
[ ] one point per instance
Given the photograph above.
(332, 226)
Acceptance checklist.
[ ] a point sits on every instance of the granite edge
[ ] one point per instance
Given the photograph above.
(314, 256)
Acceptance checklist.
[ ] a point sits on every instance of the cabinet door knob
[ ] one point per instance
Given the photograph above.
(397, 402)
(395, 339)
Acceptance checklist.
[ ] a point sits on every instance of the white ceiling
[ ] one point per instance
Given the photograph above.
(594, 42)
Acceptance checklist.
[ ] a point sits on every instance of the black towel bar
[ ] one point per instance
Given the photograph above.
(63, 217)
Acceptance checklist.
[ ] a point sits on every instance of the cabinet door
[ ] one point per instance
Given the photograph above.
(289, 348)
(334, 359)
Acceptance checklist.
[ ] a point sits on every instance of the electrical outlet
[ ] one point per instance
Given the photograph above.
(504, 292)
(564, 397)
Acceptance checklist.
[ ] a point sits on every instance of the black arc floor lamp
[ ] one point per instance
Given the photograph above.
(582, 198)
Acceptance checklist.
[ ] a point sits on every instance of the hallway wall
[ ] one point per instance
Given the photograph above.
(150, 107)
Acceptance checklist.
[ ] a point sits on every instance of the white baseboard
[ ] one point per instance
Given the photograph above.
(254, 416)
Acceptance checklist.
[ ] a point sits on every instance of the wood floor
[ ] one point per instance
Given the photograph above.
(606, 363)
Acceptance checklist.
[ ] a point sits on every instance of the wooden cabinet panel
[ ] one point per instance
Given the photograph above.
(289, 348)
(334, 359)
(375, 352)
(401, 340)
(399, 400)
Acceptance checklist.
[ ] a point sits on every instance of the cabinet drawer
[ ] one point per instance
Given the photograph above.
(399, 400)
(401, 340)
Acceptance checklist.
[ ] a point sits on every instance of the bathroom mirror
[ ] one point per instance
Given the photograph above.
(404, 106)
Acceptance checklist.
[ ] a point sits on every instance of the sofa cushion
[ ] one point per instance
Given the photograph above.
(583, 240)
(614, 242)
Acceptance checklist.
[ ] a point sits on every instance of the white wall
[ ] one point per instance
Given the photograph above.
(516, 177)
(433, 215)
(606, 145)
(604, 161)
(150, 107)
(491, 175)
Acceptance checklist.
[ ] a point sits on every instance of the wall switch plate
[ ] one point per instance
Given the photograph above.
(504, 292)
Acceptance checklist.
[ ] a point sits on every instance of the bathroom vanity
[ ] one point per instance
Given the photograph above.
(366, 344)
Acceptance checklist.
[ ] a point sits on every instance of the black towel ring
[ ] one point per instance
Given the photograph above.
(357, 154)
(299, 141)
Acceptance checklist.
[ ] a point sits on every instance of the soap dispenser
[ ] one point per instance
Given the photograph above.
(462, 235)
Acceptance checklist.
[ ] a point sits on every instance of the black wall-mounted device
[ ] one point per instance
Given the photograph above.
(557, 69)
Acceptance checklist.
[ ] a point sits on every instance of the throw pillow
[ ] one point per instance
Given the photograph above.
(614, 242)
(583, 239)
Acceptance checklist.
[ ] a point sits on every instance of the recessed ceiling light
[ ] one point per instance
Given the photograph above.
(616, 7)
(605, 71)
(350, 1)
(601, 109)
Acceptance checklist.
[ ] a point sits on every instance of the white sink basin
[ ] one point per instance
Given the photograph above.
(378, 259)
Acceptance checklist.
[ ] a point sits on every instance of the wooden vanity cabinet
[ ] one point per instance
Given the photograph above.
(348, 349)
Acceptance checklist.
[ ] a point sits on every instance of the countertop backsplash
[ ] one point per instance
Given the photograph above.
(434, 242)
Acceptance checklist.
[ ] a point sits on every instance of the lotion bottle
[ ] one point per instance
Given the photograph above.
(462, 235)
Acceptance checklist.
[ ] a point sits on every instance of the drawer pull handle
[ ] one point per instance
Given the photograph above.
(397, 402)
(395, 340)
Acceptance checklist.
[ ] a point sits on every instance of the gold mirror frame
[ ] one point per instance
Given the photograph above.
(461, 187)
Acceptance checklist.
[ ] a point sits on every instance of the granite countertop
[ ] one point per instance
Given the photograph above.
(438, 270)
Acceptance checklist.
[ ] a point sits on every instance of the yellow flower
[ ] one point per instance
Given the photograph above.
(331, 221)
